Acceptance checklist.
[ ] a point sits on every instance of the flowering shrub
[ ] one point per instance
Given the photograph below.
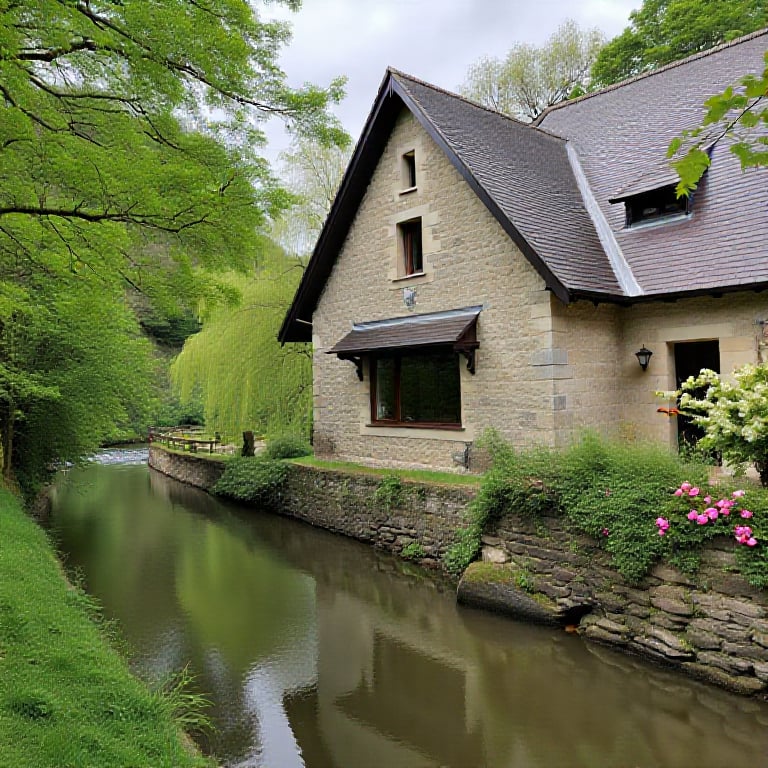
(697, 515)
(734, 416)
(705, 511)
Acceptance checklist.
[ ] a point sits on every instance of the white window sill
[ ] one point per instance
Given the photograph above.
(409, 277)
(407, 191)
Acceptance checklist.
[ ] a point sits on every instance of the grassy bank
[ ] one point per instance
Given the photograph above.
(67, 698)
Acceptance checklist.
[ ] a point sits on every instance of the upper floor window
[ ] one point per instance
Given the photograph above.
(655, 205)
(411, 247)
(408, 170)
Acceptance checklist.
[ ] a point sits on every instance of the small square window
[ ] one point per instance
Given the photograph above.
(408, 179)
(411, 248)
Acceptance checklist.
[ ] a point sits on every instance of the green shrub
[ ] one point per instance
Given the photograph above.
(287, 447)
(611, 491)
(413, 551)
(390, 492)
(254, 479)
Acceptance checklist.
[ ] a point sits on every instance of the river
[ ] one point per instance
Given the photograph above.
(319, 651)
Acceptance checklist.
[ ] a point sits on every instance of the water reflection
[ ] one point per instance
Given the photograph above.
(318, 651)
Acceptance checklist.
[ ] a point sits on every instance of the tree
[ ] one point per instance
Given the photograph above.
(129, 134)
(532, 78)
(235, 364)
(313, 172)
(129, 138)
(663, 31)
(71, 370)
(738, 115)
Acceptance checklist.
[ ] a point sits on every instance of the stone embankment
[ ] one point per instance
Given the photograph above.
(713, 626)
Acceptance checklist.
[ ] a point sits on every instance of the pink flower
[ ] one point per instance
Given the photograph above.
(685, 486)
(750, 542)
(605, 531)
(738, 494)
(693, 514)
(702, 519)
(679, 492)
(693, 492)
(661, 531)
(720, 503)
(745, 513)
(662, 523)
(711, 513)
(707, 499)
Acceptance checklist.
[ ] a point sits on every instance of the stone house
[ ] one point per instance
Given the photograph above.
(476, 272)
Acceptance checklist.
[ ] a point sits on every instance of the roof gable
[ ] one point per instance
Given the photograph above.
(521, 174)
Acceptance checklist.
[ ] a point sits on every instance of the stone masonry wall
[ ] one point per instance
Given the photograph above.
(713, 626)
(468, 260)
(360, 506)
(196, 470)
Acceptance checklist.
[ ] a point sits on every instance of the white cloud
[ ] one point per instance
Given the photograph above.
(435, 40)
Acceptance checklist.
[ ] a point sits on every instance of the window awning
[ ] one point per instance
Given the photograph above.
(455, 328)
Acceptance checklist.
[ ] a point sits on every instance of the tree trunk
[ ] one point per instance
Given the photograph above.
(249, 447)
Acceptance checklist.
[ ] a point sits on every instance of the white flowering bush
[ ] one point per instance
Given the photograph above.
(734, 416)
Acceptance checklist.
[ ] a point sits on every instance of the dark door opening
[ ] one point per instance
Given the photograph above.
(690, 358)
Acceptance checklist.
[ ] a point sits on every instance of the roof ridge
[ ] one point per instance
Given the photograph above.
(642, 75)
(472, 102)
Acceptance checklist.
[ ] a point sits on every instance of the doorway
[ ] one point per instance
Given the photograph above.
(690, 358)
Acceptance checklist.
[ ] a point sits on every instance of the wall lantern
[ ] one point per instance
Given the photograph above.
(643, 356)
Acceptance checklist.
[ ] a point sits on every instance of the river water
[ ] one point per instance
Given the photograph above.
(318, 651)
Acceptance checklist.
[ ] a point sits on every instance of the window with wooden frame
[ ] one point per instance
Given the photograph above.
(411, 247)
(416, 389)
(408, 171)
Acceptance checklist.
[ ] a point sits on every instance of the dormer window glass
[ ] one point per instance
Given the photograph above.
(411, 246)
(655, 205)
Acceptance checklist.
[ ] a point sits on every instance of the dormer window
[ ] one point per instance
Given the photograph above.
(408, 171)
(653, 205)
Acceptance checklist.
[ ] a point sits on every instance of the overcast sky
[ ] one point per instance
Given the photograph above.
(434, 40)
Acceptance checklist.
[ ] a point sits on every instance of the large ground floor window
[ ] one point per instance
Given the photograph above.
(410, 389)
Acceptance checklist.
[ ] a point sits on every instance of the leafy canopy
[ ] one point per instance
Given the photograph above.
(738, 115)
(532, 78)
(129, 133)
(663, 31)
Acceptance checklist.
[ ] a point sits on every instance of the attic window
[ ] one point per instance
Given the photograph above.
(408, 170)
(655, 205)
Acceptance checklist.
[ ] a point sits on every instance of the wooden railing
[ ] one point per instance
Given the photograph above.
(184, 437)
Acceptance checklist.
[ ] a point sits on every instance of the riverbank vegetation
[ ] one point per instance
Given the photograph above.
(617, 493)
(66, 697)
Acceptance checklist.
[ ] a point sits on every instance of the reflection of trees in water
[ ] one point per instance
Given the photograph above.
(368, 655)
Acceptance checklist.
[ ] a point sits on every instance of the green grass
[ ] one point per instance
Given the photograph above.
(416, 475)
(67, 699)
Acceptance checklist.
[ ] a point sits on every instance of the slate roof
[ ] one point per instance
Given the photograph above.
(549, 185)
(621, 135)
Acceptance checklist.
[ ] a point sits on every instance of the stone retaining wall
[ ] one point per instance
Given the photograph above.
(363, 507)
(713, 626)
(197, 470)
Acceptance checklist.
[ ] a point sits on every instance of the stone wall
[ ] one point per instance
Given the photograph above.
(197, 470)
(365, 508)
(713, 626)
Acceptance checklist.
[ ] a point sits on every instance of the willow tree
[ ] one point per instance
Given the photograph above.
(235, 364)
